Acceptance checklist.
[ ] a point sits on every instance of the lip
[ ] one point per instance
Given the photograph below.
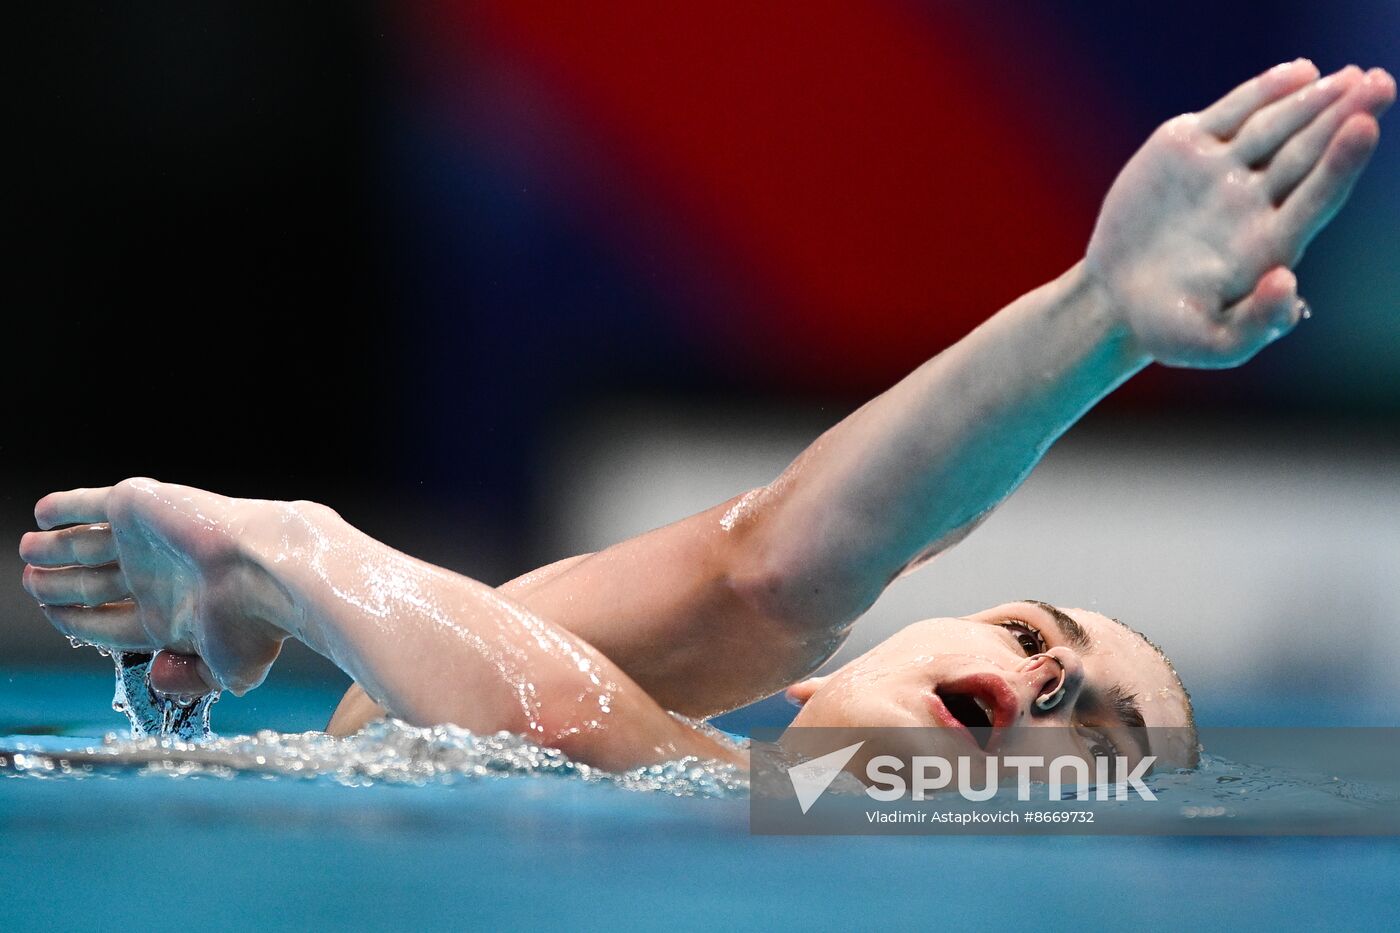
(994, 692)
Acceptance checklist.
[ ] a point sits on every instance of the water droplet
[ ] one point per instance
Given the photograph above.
(154, 714)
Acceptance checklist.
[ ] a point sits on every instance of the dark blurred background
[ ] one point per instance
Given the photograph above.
(501, 280)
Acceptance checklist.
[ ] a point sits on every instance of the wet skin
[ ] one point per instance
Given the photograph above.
(998, 656)
(1189, 265)
(1237, 192)
(155, 566)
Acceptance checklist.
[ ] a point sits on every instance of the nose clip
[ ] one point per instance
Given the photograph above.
(1051, 698)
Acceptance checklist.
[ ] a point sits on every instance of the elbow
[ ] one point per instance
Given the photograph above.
(786, 564)
(791, 586)
(315, 513)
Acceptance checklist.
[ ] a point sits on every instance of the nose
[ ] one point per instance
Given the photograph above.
(1055, 678)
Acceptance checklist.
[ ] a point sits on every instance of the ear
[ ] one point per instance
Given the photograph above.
(802, 691)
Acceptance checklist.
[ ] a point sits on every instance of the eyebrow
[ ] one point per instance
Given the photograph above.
(1074, 632)
(1119, 699)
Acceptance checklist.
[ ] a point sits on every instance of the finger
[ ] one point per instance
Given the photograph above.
(115, 625)
(1372, 95)
(180, 674)
(1227, 115)
(72, 507)
(1272, 126)
(75, 586)
(89, 545)
(1384, 83)
(1269, 311)
(1322, 193)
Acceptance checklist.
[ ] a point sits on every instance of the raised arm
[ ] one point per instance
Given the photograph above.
(1189, 265)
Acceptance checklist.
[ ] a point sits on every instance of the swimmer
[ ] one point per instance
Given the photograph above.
(1188, 265)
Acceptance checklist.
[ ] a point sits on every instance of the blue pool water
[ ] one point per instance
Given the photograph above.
(127, 849)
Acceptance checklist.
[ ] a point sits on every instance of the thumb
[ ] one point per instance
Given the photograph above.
(1271, 310)
(180, 675)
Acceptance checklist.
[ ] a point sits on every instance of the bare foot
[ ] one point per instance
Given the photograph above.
(1197, 235)
(147, 566)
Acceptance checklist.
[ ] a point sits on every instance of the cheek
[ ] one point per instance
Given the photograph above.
(885, 702)
(826, 708)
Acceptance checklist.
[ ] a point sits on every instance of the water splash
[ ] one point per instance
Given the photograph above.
(173, 737)
(384, 752)
(155, 714)
(151, 713)
(1242, 796)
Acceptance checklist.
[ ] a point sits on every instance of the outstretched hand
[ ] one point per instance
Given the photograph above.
(1197, 237)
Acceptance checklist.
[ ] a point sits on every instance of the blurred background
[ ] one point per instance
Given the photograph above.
(507, 281)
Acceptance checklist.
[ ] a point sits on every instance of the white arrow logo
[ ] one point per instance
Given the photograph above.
(811, 778)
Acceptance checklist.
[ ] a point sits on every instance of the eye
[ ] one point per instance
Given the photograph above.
(1029, 638)
(1100, 747)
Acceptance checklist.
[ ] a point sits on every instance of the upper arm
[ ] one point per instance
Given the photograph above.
(526, 582)
(354, 712)
(691, 611)
(683, 610)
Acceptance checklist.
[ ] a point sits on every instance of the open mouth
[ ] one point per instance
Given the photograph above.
(972, 712)
(980, 706)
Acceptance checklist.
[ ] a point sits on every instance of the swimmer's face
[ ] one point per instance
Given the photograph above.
(983, 670)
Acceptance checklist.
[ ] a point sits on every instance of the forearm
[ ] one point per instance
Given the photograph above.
(740, 600)
(914, 468)
(1192, 240)
(431, 646)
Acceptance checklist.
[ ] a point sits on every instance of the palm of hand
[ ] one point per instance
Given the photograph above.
(1196, 236)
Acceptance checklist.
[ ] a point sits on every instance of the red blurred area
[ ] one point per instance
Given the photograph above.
(867, 180)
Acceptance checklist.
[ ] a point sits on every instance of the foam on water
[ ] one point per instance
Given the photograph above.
(392, 752)
(388, 752)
